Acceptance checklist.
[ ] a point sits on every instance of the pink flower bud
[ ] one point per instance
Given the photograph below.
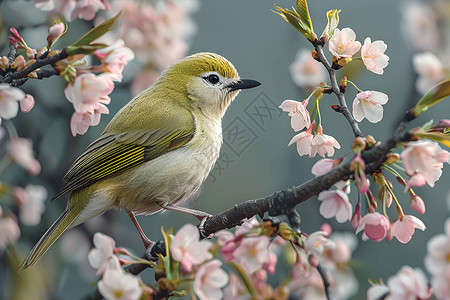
(326, 228)
(417, 204)
(27, 103)
(55, 31)
(356, 218)
(14, 36)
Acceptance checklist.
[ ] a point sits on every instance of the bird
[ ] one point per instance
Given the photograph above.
(155, 152)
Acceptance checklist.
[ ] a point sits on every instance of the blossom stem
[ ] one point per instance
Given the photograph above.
(354, 85)
(392, 193)
(394, 172)
(335, 87)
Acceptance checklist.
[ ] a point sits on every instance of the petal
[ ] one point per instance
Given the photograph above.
(358, 112)
(373, 113)
(8, 108)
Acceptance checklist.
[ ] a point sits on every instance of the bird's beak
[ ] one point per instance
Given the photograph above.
(243, 84)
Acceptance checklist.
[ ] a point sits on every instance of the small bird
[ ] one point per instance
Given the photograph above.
(157, 150)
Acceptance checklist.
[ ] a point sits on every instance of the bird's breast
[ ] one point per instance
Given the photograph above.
(170, 178)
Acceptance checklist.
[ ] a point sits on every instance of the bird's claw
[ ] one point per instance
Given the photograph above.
(152, 251)
(201, 228)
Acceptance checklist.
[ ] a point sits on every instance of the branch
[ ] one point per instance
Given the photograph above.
(50, 60)
(335, 87)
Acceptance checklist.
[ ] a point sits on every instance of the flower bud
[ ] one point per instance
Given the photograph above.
(315, 55)
(338, 63)
(336, 108)
(392, 158)
(359, 144)
(343, 84)
(417, 204)
(19, 63)
(4, 63)
(371, 142)
(14, 37)
(356, 218)
(55, 32)
(325, 227)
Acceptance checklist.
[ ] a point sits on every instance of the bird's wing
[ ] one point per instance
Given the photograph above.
(113, 153)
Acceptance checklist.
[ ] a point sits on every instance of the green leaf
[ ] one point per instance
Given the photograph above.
(439, 137)
(84, 49)
(293, 18)
(433, 96)
(97, 31)
(302, 7)
(333, 21)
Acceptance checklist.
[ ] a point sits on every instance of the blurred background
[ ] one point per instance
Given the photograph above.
(255, 160)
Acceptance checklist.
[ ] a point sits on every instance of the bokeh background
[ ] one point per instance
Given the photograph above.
(255, 159)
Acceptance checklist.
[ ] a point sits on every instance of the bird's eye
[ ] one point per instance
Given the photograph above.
(213, 78)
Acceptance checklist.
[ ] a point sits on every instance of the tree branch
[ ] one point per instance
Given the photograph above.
(335, 87)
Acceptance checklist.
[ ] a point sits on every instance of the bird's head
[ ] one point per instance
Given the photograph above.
(207, 81)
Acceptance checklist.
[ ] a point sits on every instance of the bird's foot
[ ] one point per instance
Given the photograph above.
(201, 228)
(154, 249)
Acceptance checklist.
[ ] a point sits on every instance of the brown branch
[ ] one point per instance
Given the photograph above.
(50, 60)
(335, 87)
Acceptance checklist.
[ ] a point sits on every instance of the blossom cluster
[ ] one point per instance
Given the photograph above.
(412, 283)
(252, 252)
(73, 9)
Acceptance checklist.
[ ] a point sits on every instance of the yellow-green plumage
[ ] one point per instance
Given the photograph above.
(156, 151)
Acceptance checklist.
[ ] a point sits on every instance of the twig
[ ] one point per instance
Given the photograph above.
(335, 87)
(51, 60)
(12, 53)
(326, 282)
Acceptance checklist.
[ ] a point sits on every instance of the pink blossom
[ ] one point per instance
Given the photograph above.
(358, 165)
(441, 284)
(102, 253)
(304, 142)
(377, 291)
(115, 57)
(253, 253)
(9, 96)
(323, 144)
(373, 56)
(116, 284)
(143, 80)
(343, 44)
(209, 280)
(417, 204)
(430, 71)
(306, 71)
(438, 251)
(187, 248)
(419, 25)
(375, 226)
(86, 9)
(31, 203)
(235, 289)
(335, 204)
(368, 105)
(403, 228)
(356, 218)
(423, 162)
(246, 227)
(409, 283)
(27, 103)
(80, 122)
(345, 243)
(299, 114)
(325, 165)
(45, 4)
(90, 90)
(9, 231)
(55, 31)
(21, 151)
(317, 243)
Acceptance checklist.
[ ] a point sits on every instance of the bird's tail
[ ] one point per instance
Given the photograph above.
(52, 234)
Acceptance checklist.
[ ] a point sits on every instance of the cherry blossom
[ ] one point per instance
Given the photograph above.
(377, 291)
(31, 203)
(430, 71)
(375, 226)
(102, 253)
(335, 204)
(417, 204)
(209, 280)
(9, 231)
(403, 228)
(235, 289)
(323, 144)
(409, 283)
(9, 97)
(88, 8)
(441, 284)
(299, 114)
(187, 248)
(325, 165)
(304, 141)
(438, 251)
(423, 162)
(373, 56)
(27, 103)
(115, 57)
(89, 91)
(357, 166)
(368, 105)
(343, 44)
(21, 151)
(253, 253)
(117, 284)
(55, 31)
(317, 243)
(306, 71)
(80, 122)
